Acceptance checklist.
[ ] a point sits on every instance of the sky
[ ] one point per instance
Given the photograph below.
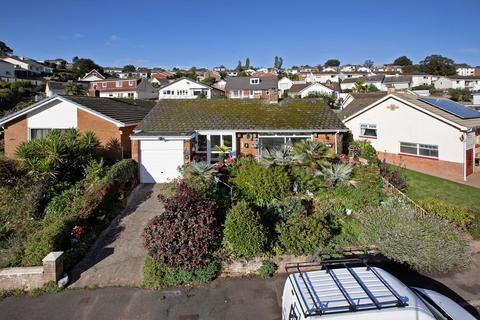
(208, 33)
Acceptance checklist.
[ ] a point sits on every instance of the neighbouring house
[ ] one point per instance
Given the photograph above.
(458, 82)
(476, 98)
(111, 121)
(320, 77)
(93, 75)
(284, 84)
(304, 90)
(376, 80)
(7, 70)
(209, 74)
(123, 88)
(220, 85)
(27, 66)
(185, 88)
(264, 88)
(423, 79)
(355, 74)
(162, 75)
(176, 132)
(466, 71)
(58, 88)
(397, 82)
(435, 136)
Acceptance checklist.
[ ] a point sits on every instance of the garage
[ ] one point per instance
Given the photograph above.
(160, 160)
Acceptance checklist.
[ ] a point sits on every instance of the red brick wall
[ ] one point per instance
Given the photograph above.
(15, 133)
(247, 139)
(126, 142)
(440, 168)
(112, 86)
(329, 138)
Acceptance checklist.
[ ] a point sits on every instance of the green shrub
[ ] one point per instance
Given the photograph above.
(267, 269)
(10, 172)
(260, 185)
(244, 234)
(282, 209)
(60, 205)
(157, 276)
(367, 151)
(94, 171)
(456, 214)
(353, 198)
(426, 244)
(302, 233)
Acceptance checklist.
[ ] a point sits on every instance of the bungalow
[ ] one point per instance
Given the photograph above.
(349, 83)
(93, 75)
(185, 88)
(176, 132)
(435, 136)
(304, 90)
(284, 84)
(264, 88)
(123, 88)
(397, 82)
(458, 82)
(27, 66)
(321, 77)
(112, 121)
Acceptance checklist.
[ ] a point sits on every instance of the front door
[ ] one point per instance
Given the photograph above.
(469, 162)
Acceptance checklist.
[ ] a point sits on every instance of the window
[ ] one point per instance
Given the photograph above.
(424, 150)
(130, 94)
(181, 92)
(270, 142)
(42, 133)
(202, 143)
(131, 83)
(119, 84)
(368, 130)
(104, 84)
(237, 93)
(208, 143)
(254, 81)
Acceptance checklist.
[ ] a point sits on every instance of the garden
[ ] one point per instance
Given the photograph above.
(300, 201)
(58, 195)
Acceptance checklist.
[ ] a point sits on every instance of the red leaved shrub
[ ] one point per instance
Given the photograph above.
(186, 232)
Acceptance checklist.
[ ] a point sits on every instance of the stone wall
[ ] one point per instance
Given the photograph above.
(28, 278)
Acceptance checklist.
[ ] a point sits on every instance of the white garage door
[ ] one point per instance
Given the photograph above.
(159, 160)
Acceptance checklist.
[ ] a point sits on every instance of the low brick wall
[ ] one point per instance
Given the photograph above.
(28, 278)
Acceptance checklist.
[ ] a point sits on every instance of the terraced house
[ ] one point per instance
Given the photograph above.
(176, 132)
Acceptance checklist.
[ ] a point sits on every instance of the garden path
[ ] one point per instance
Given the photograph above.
(116, 258)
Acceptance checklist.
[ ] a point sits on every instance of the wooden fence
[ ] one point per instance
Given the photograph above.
(390, 188)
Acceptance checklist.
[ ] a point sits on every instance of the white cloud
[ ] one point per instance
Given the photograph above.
(112, 39)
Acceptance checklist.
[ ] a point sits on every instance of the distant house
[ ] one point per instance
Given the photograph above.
(7, 70)
(58, 88)
(476, 98)
(349, 83)
(466, 71)
(303, 90)
(321, 77)
(284, 84)
(420, 79)
(264, 88)
(27, 66)
(162, 75)
(185, 88)
(397, 82)
(93, 75)
(123, 88)
(209, 74)
(220, 85)
(436, 136)
(111, 121)
(458, 82)
(176, 132)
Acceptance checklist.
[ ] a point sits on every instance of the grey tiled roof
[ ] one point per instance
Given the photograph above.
(360, 101)
(375, 78)
(123, 111)
(181, 116)
(243, 83)
(397, 79)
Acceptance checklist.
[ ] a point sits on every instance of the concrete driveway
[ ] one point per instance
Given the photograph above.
(116, 258)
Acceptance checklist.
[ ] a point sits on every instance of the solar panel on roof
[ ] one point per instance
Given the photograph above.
(452, 107)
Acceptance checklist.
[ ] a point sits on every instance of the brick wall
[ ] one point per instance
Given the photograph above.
(440, 168)
(126, 142)
(15, 133)
(245, 144)
(329, 139)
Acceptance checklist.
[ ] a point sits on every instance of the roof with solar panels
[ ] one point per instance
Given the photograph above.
(438, 107)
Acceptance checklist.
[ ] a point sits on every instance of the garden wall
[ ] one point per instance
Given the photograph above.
(28, 278)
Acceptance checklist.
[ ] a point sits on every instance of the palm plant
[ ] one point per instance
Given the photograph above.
(224, 150)
(310, 153)
(334, 174)
(198, 168)
(281, 156)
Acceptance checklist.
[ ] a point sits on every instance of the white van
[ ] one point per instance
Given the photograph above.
(350, 289)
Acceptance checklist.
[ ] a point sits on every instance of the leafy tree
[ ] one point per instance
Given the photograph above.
(247, 63)
(294, 77)
(372, 88)
(186, 233)
(278, 62)
(368, 63)
(74, 89)
(412, 69)
(129, 68)
(81, 66)
(208, 81)
(332, 63)
(402, 61)
(460, 94)
(438, 65)
(360, 86)
(4, 49)
(239, 66)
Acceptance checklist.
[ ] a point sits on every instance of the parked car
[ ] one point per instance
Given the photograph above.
(350, 289)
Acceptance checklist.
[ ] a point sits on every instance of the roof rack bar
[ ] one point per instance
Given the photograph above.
(342, 289)
(400, 301)
(317, 308)
(364, 287)
(299, 295)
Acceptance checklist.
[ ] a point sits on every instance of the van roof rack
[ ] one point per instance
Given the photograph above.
(321, 289)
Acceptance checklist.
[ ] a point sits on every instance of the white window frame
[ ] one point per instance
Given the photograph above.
(417, 146)
(118, 84)
(372, 126)
(104, 84)
(254, 80)
(210, 151)
(285, 136)
(131, 83)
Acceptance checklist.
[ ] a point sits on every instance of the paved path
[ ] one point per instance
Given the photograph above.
(116, 258)
(222, 299)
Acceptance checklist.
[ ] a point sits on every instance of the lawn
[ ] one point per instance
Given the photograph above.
(422, 185)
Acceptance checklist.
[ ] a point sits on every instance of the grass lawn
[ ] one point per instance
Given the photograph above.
(422, 185)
